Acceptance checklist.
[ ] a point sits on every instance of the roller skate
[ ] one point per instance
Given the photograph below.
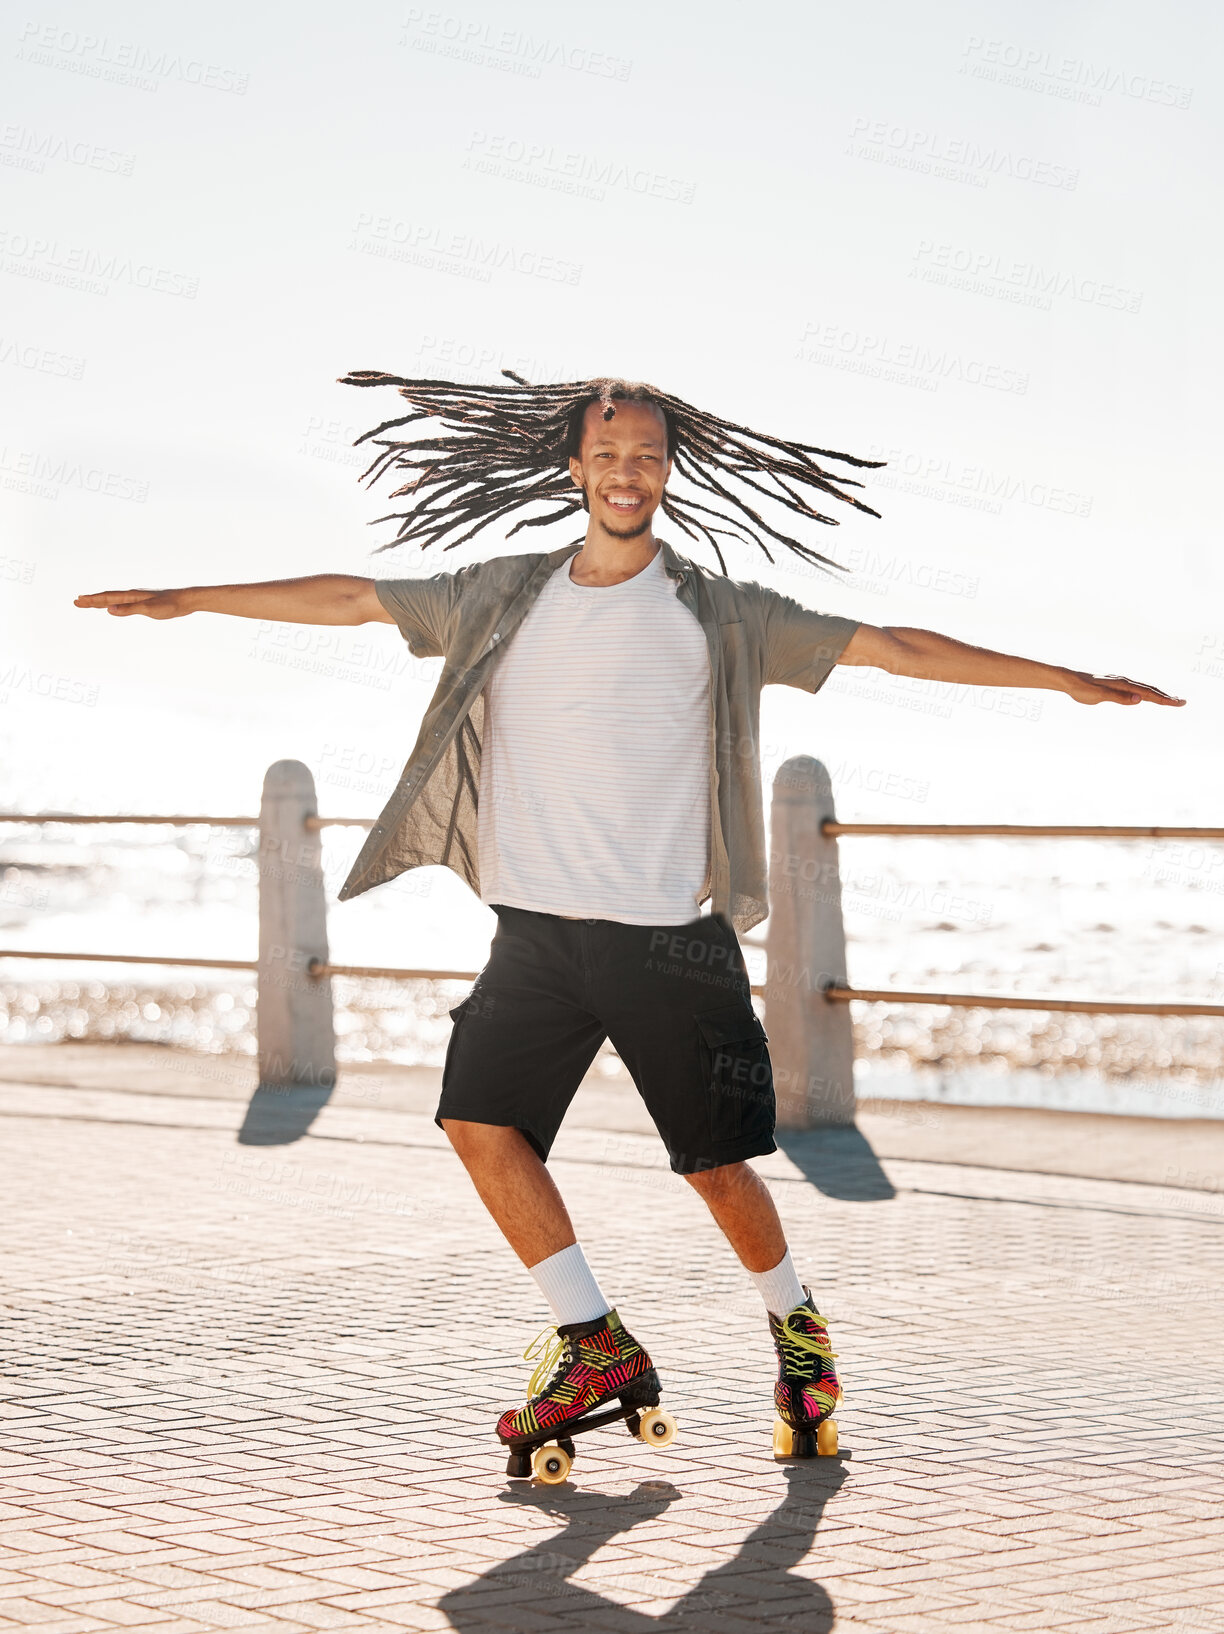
(580, 1367)
(807, 1392)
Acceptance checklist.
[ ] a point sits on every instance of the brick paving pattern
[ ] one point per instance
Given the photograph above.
(253, 1387)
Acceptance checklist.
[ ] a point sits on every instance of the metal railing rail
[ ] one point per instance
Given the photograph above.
(1005, 1001)
(833, 830)
(319, 969)
(1021, 831)
(176, 821)
(131, 959)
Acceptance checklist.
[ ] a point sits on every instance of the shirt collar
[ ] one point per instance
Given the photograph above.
(679, 567)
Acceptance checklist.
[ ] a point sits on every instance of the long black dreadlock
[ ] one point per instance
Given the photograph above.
(507, 447)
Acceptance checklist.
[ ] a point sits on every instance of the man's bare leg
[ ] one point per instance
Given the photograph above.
(807, 1390)
(515, 1187)
(520, 1194)
(744, 1211)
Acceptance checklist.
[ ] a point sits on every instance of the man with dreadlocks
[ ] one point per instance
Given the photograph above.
(589, 765)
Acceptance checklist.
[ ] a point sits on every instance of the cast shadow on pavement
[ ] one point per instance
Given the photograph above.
(754, 1587)
(839, 1162)
(278, 1116)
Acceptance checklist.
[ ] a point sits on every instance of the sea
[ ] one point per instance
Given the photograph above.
(1141, 920)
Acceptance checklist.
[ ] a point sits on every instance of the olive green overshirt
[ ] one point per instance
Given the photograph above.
(755, 636)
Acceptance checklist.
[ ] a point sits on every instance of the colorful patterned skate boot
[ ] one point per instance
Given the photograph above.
(581, 1367)
(807, 1392)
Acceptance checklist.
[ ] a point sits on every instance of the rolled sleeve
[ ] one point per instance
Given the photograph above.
(801, 645)
(422, 609)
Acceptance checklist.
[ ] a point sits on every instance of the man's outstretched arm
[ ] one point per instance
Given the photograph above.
(321, 598)
(935, 657)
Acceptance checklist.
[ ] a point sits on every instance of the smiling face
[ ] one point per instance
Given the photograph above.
(623, 466)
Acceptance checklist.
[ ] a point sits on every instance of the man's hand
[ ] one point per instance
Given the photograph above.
(152, 603)
(1113, 689)
(321, 598)
(933, 657)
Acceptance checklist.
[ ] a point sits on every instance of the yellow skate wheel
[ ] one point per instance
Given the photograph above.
(783, 1439)
(551, 1464)
(657, 1428)
(826, 1439)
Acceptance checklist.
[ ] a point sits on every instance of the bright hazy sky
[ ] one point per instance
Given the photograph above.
(972, 239)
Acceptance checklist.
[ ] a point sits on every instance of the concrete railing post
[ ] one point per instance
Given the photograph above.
(811, 1042)
(297, 1041)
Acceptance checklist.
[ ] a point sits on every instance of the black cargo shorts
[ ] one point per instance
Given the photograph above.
(673, 999)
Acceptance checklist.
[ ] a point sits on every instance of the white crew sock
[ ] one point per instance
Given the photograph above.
(780, 1288)
(568, 1284)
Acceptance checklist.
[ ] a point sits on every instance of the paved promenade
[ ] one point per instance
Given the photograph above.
(253, 1356)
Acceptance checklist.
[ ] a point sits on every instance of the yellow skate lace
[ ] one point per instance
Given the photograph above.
(806, 1341)
(545, 1350)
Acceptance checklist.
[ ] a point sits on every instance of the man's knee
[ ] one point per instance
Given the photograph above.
(726, 1178)
(463, 1136)
(467, 1137)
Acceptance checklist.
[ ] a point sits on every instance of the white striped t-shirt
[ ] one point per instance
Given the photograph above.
(595, 763)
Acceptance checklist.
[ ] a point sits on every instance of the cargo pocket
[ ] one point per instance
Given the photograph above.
(476, 1002)
(738, 1076)
(457, 1014)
